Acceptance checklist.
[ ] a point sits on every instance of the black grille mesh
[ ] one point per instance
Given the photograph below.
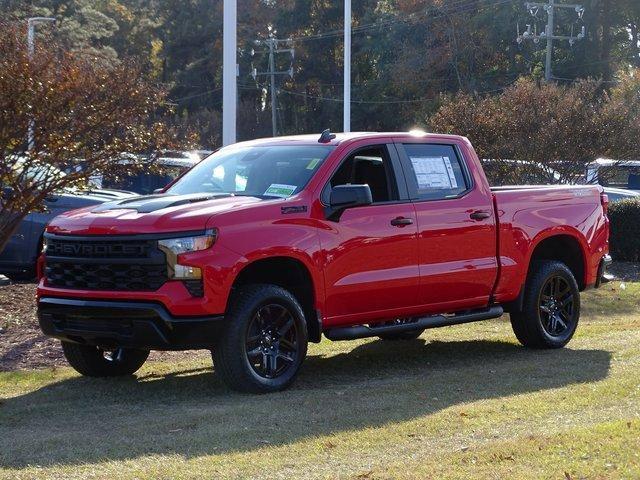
(105, 276)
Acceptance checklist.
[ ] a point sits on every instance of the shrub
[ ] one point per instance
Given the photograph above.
(625, 230)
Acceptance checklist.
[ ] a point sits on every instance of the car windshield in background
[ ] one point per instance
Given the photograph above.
(143, 182)
(267, 171)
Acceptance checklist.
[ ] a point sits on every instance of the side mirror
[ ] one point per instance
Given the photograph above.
(158, 190)
(347, 196)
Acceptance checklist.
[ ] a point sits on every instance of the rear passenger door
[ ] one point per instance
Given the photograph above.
(456, 228)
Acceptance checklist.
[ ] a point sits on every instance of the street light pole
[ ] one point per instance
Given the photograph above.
(346, 110)
(229, 72)
(31, 50)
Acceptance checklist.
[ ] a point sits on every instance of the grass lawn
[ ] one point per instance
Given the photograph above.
(460, 402)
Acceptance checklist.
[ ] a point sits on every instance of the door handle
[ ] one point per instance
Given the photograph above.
(401, 221)
(479, 215)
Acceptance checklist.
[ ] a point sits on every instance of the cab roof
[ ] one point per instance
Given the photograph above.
(312, 139)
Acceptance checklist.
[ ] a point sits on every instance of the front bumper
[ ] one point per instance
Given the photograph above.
(144, 325)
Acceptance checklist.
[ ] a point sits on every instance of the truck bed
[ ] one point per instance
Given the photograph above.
(526, 214)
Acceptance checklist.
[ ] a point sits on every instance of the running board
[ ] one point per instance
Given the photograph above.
(434, 321)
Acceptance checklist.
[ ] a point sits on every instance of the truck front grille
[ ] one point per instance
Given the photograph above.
(104, 264)
(105, 276)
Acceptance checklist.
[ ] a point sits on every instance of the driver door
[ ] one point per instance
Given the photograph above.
(370, 252)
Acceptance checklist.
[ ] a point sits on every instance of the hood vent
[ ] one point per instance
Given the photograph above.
(152, 203)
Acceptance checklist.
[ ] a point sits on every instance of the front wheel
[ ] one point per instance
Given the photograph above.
(94, 361)
(551, 307)
(265, 341)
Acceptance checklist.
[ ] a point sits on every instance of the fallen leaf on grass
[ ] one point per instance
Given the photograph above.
(365, 474)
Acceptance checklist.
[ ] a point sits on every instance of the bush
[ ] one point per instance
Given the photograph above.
(625, 230)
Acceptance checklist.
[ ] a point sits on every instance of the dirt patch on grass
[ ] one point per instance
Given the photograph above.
(22, 344)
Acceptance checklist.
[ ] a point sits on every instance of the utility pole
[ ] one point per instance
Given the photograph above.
(274, 46)
(346, 108)
(31, 50)
(229, 72)
(549, 32)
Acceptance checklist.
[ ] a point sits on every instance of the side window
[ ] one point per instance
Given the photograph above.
(435, 172)
(370, 166)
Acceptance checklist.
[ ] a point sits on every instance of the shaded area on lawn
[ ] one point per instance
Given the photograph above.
(190, 413)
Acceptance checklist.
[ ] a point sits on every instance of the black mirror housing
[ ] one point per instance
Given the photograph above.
(348, 196)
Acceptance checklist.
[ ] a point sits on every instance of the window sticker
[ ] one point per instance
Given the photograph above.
(313, 163)
(280, 190)
(434, 172)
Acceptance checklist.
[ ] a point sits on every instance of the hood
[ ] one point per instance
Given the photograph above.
(149, 214)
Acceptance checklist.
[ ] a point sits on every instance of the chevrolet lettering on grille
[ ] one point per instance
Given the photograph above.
(89, 250)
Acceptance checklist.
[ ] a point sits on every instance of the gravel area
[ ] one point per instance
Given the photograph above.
(22, 344)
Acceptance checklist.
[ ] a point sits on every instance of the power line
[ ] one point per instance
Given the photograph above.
(383, 102)
(462, 6)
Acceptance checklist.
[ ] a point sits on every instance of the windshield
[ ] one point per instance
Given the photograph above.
(269, 171)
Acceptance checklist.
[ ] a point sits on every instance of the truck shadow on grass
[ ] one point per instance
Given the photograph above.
(190, 413)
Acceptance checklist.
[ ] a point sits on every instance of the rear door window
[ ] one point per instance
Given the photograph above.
(434, 172)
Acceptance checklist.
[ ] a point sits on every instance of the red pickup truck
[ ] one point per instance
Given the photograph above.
(269, 244)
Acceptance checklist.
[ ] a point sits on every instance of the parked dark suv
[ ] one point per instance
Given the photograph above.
(18, 259)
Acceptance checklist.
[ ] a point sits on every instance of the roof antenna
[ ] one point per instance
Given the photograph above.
(326, 136)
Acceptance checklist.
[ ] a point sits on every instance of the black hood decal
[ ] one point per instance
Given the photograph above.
(152, 203)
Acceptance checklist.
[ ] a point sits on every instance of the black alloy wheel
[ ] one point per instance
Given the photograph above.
(556, 305)
(264, 341)
(272, 341)
(550, 306)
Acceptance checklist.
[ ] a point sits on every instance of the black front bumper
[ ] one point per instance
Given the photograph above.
(144, 325)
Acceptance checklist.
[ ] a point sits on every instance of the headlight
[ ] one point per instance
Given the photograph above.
(173, 247)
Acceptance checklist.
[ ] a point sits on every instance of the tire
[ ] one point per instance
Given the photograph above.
(93, 361)
(264, 342)
(551, 307)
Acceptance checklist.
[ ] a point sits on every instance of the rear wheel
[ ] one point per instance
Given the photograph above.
(94, 361)
(265, 340)
(551, 307)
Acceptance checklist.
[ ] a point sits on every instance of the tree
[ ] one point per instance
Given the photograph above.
(83, 111)
(558, 128)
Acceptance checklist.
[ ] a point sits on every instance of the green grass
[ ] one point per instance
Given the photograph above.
(460, 402)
